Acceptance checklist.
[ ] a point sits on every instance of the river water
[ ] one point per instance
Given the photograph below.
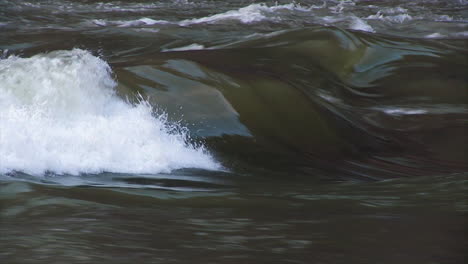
(234, 131)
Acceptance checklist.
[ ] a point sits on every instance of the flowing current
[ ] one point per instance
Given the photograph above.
(236, 131)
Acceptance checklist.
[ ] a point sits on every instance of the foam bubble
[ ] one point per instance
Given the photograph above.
(59, 112)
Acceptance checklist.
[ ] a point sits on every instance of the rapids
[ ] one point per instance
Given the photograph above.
(233, 131)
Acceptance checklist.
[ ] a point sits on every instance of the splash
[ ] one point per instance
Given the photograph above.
(59, 113)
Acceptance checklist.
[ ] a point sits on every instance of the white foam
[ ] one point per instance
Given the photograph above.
(440, 109)
(359, 24)
(249, 14)
(435, 35)
(342, 4)
(400, 18)
(193, 46)
(131, 23)
(147, 30)
(403, 111)
(59, 112)
(141, 22)
(99, 22)
(444, 18)
(395, 10)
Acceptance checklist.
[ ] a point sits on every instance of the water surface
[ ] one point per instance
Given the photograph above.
(233, 131)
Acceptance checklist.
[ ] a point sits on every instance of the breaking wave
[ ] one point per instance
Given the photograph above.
(59, 113)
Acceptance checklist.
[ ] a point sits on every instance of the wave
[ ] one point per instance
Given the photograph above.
(317, 100)
(193, 46)
(359, 24)
(345, 14)
(346, 103)
(249, 14)
(59, 113)
(132, 23)
(396, 18)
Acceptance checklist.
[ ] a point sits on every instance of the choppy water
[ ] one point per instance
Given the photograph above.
(233, 131)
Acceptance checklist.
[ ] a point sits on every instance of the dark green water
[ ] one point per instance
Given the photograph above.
(233, 132)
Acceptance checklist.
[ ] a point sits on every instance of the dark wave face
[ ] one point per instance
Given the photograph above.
(233, 131)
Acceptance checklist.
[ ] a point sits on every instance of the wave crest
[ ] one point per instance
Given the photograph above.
(59, 113)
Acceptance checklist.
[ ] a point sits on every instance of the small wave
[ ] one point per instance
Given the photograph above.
(359, 24)
(463, 34)
(59, 113)
(457, 35)
(132, 23)
(249, 14)
(402, 111)
(435, 35)
(193, 46)
(395, 10)
(433, 109)
(444, 18)
(400, 18)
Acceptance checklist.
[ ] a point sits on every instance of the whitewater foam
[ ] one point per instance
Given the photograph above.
(440, 109)
(435, 35)
(400, 18)
(59, 113)
(194, 46)
(249, 14)
(131, 23)
(359, 24)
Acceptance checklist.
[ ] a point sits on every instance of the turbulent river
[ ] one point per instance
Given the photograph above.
(236, 131)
